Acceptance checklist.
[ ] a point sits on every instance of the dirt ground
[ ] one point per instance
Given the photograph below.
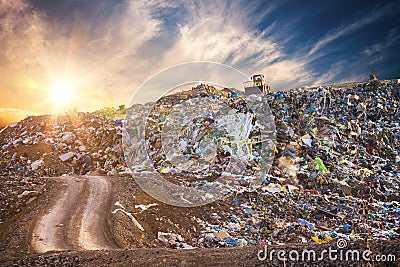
(71, 224)
(77, 219)
(200, 257)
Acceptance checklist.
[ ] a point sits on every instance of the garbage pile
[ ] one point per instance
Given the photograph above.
(298, 217)
(17, 194)
(202, 132)
(71, 144)
(336, 171)
(343, 140)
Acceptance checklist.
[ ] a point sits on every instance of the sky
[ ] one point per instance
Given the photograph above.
(88, 54)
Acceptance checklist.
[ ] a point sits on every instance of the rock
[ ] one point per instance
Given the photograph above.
(30, 193)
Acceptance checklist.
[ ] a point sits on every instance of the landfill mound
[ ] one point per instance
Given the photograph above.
(335, 173)
(333, 139)
(50, 146)
(75, 143)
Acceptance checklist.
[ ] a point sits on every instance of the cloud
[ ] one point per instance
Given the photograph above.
(97, 54)
(392, 38)
(337, 74)
(107, 49)
(21, 36)
(108, 56)
(216, 31)
(288, 73)
(18, 21)
(346, 30)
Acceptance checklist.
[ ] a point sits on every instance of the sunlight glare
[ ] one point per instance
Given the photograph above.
(62, 93)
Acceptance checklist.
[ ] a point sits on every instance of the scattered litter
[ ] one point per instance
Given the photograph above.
(145, 207)
(335, 173)
(173, 240)
(122, 209)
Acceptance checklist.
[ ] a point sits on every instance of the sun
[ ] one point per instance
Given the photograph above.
(62, 93)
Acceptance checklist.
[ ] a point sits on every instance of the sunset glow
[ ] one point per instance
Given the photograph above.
(88, 54)
(62, 93)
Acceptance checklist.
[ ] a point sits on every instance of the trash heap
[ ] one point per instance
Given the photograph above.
(16, 195)
(297, 217)
(336, 171)
(194, 138)
(346, 140)
(335, 139)
(200, 133)
(71, 144)
(211, 132)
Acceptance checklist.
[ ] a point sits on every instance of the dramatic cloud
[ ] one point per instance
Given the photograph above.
(98, 55)
(393, 38)
(349, 28)
(105, 50)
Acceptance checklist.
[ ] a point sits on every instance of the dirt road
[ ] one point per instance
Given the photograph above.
(76, 217)
(75, 224)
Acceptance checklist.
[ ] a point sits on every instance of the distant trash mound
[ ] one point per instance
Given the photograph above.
(342, 139)
(73, 144)
(203, 131)
(337, 138)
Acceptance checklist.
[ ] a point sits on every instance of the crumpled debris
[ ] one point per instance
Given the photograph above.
(36, 164)
(145, 207)
(306, 223)
(122, 209)
(173, 240)
(28, 193)
(67, 156)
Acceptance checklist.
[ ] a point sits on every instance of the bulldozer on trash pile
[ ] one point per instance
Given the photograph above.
(257, 85)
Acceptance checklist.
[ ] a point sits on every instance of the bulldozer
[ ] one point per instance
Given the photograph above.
(257, 85)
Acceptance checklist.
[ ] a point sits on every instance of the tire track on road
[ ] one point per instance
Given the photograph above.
(77, 219)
